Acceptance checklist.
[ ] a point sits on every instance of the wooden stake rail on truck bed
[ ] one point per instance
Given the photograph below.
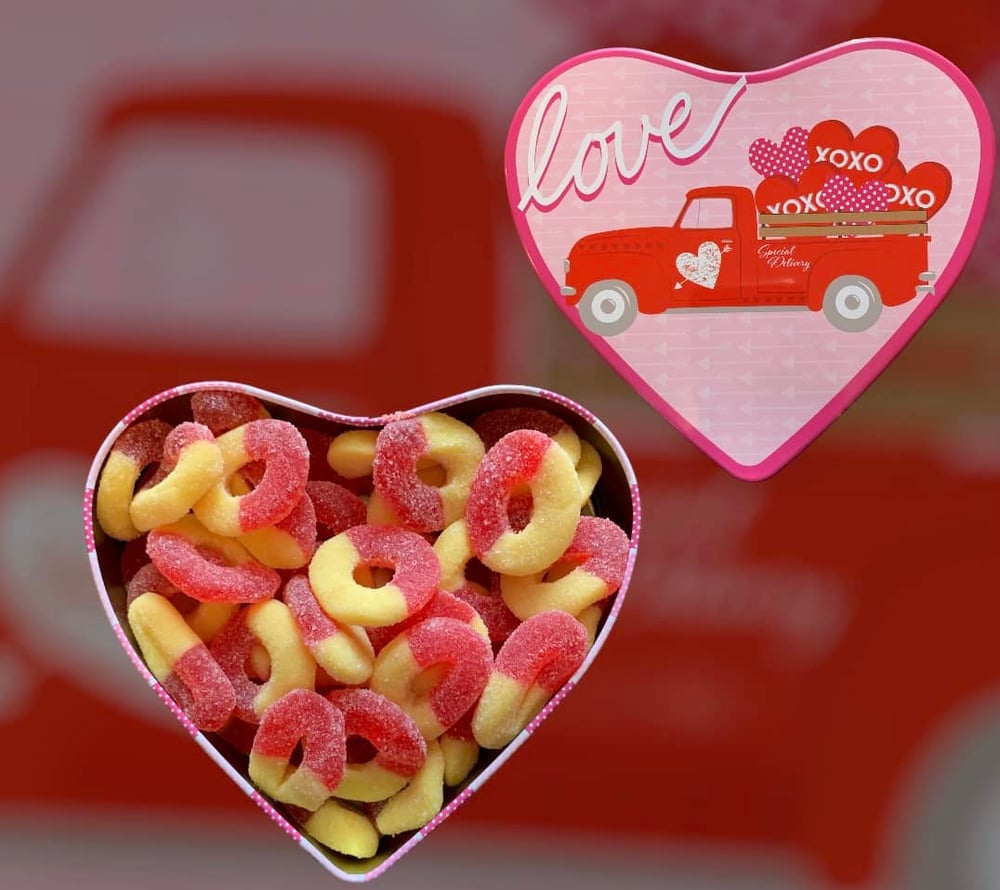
(889, 222)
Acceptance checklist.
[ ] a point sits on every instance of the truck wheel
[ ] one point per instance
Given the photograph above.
(852, 303)
(608, 307)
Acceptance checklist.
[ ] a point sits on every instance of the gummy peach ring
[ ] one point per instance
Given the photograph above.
(191, 465)
(537, 659)
(405, 447)
(286, 457)
(400, 748)
(268, 626)
(178, 551)
(494, 425)
(456, 657)
(178, 658)
(454, 552)
(333, 569)
(135, 449)
(342, 650)
(523, 458)
(306, 717)
(596, 561)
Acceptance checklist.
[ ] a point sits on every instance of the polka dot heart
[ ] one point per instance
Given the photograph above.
(790, 158)
(839, 195)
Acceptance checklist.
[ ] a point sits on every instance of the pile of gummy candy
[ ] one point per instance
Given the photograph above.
(359, 613)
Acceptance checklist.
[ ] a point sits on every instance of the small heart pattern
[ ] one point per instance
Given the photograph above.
(623, 166)
(702, 269)
(204, 639)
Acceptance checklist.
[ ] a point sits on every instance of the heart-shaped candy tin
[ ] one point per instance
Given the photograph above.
(665, 206)
(113, 561)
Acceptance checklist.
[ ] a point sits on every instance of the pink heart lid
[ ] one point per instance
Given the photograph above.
(751, 250)
(615, 497)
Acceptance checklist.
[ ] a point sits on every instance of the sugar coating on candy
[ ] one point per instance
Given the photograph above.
(191, 465)
(344, 652)
(342, 828)
(523, 458)
(517, 461)
(288, 544)
(591, 569)
(339, 562)
(148, 578)
(284, 450)
(223, 410)
(544, 651)
(205, 619)
(400, 746)
(286, 457)
(495, 613)
(201, 689)
(588, 469)
(537, 659)
(441, 605)
(337, 508)
(139, 446)
(270, 625)
(142, 442)
(306, 717)
(452, 642)
(434, 671)
(494, 425)
(404, 449)
(418, 802)
(178, 558)
(351, 454)
(400, 446)
(601, 547)
(180, 661)
(460, 757)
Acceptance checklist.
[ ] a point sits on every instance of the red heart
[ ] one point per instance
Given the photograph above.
(788, 159)
(926, 187)
(841, 195)
(779, 194)
(869, 155)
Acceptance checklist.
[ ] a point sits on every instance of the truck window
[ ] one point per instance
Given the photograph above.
(275, 239)
(708, 213)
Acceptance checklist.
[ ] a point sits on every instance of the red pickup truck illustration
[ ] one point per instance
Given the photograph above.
(722, 255)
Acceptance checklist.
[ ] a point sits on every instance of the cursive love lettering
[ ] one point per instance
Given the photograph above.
(602, 145)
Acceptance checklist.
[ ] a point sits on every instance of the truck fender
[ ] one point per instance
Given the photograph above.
(863, 263)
